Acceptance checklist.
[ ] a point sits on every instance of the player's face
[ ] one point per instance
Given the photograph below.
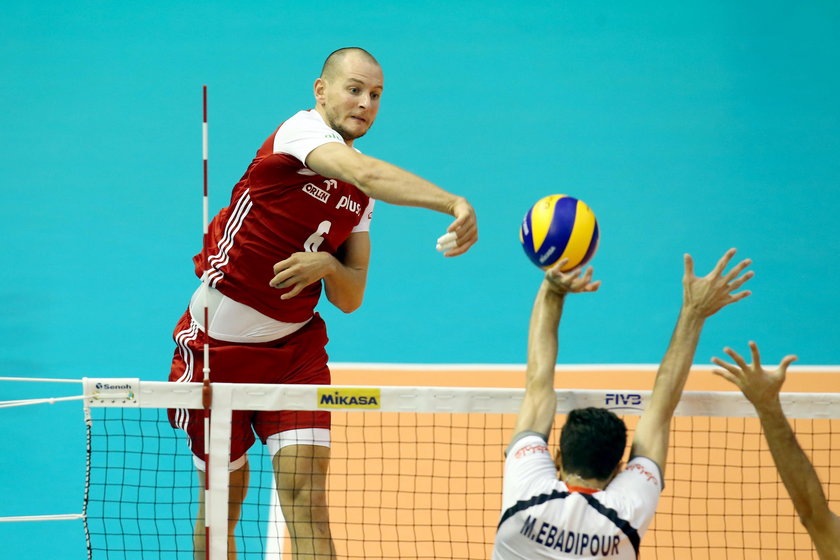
(351, 97)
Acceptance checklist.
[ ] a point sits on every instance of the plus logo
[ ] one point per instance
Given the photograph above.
(349, 204)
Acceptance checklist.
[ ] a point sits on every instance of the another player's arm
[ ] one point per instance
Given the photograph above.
(702, 297)
(802, 482)
(384, 181)
(344, 275)
(762, 388)
(540, 403)
(653, 430)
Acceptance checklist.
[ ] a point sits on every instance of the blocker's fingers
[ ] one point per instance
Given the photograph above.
(723, 262)
(786, 361)
(728, 375)
(557, 268)
(737, 358)
(756, 357)
(689, 265)
(737, 269)
(725, 365)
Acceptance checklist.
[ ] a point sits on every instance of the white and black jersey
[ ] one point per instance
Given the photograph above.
(543, 518)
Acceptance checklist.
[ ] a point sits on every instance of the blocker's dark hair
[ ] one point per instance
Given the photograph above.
(592, 442)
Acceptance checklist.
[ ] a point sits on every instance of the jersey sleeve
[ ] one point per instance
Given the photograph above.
(365, 219)
(642, 480)
(528, 466)
(302, 133)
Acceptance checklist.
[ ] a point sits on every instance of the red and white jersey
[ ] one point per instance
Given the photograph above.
(280, 207)
(543, 518)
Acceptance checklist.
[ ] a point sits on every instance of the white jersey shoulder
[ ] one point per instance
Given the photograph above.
(542, 518)
(303, 132)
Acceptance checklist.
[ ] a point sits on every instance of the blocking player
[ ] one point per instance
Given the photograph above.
(762, 388)
(583, 503)
(298, 219)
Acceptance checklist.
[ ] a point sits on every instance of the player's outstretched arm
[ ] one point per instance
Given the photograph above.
(702, 297)
(384, 181)
(538, 407)
(762, 388)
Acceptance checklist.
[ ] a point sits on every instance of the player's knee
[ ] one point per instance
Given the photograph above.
(302, 492)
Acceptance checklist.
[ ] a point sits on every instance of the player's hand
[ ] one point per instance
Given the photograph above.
(574, 281)
(301, 270)
(462, 233)
(758, 385)
(708, 295)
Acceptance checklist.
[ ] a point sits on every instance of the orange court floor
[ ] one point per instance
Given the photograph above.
(818, 379)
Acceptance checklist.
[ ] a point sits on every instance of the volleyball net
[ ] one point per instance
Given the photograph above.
(416, 472)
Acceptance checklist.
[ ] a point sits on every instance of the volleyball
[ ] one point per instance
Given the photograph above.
(559, 227)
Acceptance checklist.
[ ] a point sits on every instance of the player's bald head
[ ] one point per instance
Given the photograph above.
(333, 64)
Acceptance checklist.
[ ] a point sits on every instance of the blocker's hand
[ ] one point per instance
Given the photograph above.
(709, 294)
(758, 385)
(574, 281)
(301, 270)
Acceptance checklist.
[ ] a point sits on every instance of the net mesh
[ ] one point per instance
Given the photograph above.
(428, 485)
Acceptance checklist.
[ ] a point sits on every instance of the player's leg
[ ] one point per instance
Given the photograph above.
(301, 478)
(299, 442)
(187, 366)
(238, 489)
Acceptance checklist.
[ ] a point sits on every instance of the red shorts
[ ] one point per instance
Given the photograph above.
(300, 358)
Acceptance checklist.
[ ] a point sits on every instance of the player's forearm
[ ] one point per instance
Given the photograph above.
(345, 286)
(676, 364)
(389, 183)
(542, 337)
(652, 431)
(795, 469)
(538, 407)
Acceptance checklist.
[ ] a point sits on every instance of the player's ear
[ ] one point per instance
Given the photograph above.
(558, 461)
(320, 91)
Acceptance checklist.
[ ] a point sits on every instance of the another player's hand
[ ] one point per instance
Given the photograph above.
(574, 281)
(301, 270)
(462, 233)
(707, 295)
(758, 385)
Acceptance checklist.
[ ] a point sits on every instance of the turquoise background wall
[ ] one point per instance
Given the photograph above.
(687, 128)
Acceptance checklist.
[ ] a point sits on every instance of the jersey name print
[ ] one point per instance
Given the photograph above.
(569, 542)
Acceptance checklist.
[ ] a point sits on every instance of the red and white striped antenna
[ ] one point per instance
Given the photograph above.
(206, 392)
(205, 243)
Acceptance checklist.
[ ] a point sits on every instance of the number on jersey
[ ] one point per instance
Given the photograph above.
(314, 241)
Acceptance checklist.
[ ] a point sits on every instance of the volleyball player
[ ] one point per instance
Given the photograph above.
(583, 503)
(762, 388)
(299, 217)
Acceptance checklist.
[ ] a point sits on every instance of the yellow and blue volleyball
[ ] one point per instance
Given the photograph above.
(559, 227)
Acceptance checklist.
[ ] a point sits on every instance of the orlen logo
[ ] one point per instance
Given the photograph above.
(315, 192)
(331, 397)
(623, 401)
